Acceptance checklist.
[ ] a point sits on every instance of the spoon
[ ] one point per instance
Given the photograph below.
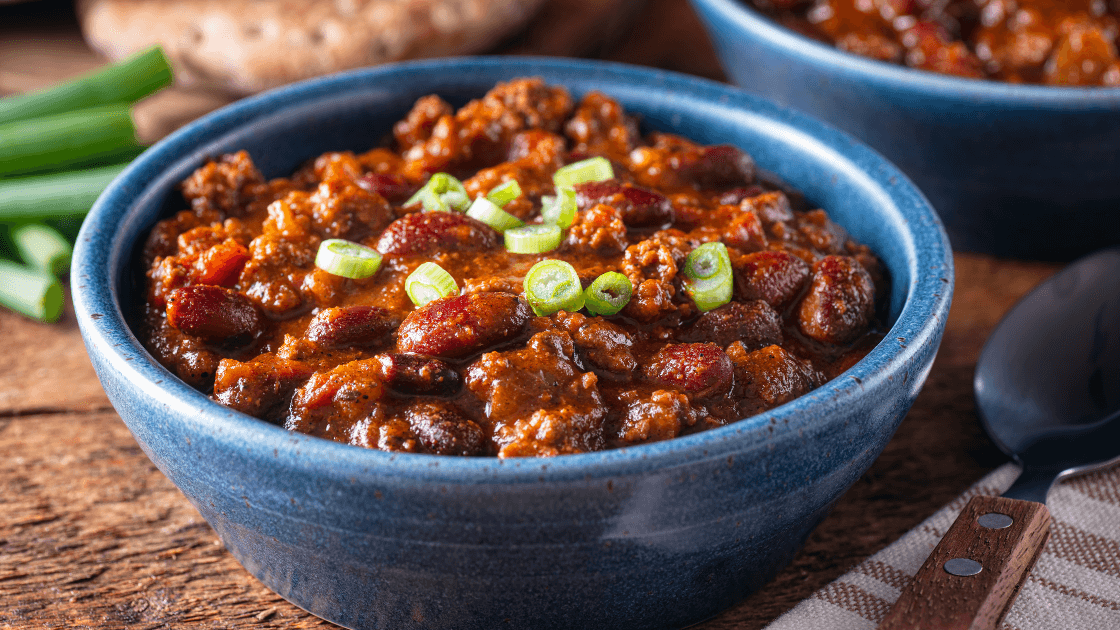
(1048, 393)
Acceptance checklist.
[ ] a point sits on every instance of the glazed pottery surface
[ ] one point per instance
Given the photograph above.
(1027, 171)
(659, 535)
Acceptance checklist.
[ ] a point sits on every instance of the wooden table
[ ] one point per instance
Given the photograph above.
(92, 535)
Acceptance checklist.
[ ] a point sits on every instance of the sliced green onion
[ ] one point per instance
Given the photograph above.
(553, 285)
(561, 209)
(533, 239)
(54, 196)
(125, 82)
(31, 292)
(43, 248)
(608, 294)
(505, 193)
(347, 259)
(710, 279)
(61, 140)
(429, 282)
(442, 193)
(594, 169)
(489, 213)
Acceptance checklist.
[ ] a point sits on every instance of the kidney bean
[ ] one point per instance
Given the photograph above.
(418, 374)
(462, 325)
(261, 387)
(718, 167)
(221, 265)
(393, 187)
(214, 314)
(351, 326)
(426, 232)
(444, 430)
(639, 207)
(699, 369)
(754, 323)
(840, 302)
(775, 277)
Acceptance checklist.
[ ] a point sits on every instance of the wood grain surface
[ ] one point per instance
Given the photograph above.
(93, 536)
(940, 600)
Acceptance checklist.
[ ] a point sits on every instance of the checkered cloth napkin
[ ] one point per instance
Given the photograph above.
(1074, 586)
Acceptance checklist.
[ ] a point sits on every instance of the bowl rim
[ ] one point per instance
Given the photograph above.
(912, 80)
(109, 338)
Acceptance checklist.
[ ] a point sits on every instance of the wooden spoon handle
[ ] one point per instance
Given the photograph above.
(946, 598)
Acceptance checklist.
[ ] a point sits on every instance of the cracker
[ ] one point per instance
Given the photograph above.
(245, 46)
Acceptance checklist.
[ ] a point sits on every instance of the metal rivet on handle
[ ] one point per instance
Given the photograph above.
(963, 567)
(995, 520)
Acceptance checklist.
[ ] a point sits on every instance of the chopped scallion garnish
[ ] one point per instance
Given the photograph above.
(561, 209)
(505, 193)
(32, 292)
(533, 239)
(429, 282)
(442, 193)
(608, 294)
(553, 285)
(347, 259)
(488, 212)
(710, 279)
(594, 169)
(43, 248)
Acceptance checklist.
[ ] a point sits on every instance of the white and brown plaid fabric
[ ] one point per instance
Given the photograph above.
(1074, 586)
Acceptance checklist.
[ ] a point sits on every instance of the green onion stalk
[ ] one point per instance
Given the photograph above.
(43, 248)
(125, 82)
(61, 141)
(30, 291)
(56, 196)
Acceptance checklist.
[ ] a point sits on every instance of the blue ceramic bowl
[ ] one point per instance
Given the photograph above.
(1014, 170)
(659, 535)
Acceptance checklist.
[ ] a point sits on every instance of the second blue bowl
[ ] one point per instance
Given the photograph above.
(1027, 171)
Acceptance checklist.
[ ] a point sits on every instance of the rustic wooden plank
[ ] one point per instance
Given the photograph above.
(94, 536)
(940, 598)
(44, 367)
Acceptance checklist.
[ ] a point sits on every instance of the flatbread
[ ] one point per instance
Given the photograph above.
(244, 46)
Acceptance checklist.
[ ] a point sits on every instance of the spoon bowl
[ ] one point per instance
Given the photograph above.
(1048, 380)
